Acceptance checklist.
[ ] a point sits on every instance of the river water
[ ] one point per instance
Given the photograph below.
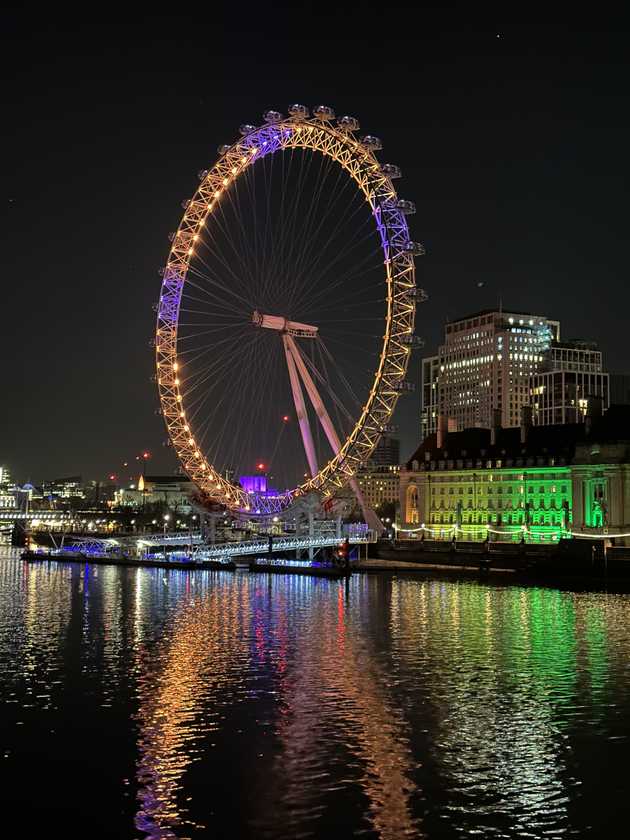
(141, 703)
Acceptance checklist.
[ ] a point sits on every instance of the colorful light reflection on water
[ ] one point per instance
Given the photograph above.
(173, 704)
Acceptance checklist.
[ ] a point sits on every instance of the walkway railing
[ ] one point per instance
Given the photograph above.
(261, 546)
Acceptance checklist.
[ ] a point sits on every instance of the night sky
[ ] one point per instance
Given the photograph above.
(513, 143)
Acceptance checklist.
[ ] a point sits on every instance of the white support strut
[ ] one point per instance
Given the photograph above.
(300, 407)
(369, 515)
(297, 368)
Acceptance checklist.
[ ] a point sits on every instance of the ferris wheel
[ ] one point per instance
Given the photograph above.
(286, 314)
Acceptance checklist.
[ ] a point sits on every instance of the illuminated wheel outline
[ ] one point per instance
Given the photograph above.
(357, 158)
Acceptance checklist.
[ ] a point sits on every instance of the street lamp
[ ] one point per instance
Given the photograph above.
(166, 519)
(190, 534)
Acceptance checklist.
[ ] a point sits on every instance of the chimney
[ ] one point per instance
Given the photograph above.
(496, 425)
(594, 410)
(441, 430)
(526, 421)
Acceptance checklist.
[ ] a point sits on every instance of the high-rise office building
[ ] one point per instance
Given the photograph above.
(494, 363)
(571, 375)
(485, 363)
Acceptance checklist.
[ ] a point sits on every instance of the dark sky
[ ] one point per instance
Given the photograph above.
(514, 148)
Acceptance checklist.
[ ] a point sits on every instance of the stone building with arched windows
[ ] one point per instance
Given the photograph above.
(538, 482)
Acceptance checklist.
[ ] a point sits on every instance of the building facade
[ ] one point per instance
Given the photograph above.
(501, 361)
(502, 481)
(386, 453)
(601, 476)
(380, 485)
(570, 377)
(485, 363)
(174, 491)
(63, 489)
(539, 483)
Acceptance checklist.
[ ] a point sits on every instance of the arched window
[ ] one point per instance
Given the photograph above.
(412, 504)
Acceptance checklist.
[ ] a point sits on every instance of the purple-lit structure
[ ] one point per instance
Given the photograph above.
(253, 483)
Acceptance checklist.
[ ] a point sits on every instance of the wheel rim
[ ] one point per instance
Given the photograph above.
(360, 163)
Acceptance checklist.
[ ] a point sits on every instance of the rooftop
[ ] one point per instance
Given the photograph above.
(497, 311)
(557, 442)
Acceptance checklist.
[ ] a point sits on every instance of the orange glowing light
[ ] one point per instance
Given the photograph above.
(261, 466)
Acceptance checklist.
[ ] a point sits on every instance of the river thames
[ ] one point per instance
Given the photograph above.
(143, 703)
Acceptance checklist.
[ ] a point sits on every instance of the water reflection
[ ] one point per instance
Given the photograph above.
(265, 706)
(198, 667)
(335, 701)
(503, 668)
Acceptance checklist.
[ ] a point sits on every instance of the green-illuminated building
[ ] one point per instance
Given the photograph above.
(538, 483)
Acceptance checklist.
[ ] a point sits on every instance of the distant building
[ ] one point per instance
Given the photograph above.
(8, 500)
(501, 361)
(571, 375)
(386, 453)
(379, 485)
(484, 364)
(63, 489)
(5, 479)
(174, 491)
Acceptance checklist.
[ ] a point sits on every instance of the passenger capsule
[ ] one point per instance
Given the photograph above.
(348, 123)
(246, 128)
(411, 340)
(419, 295)
(300, 112)
(272, 116)
(202, 174)
(185, 203)
(414, 293)
(171, 236)
(407, 207)
(223, 149)
(324, 113)
(390, 429)
(415, 248)
(404, 386)
(391, 170)
(372, 143)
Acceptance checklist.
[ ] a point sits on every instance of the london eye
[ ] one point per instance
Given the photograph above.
(286, 315)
